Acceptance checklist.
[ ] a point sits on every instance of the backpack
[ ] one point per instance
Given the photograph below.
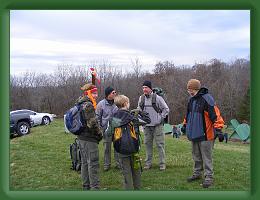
(159, 92)
(126, 140)
(75, 156)
(74, 120)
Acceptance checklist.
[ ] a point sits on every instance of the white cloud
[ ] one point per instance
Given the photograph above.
(39, 53)
(48, 38)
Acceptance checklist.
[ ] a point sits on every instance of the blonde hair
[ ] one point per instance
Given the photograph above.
(120, 100)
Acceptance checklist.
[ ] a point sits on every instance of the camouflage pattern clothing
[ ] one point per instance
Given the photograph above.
(88, 143)
(92, 132)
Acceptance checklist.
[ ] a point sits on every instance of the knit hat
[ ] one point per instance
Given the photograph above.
(90, 87)
(148, 84)
(108, 90)
(193, 84)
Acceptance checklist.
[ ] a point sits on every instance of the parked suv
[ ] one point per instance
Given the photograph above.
(20, 124)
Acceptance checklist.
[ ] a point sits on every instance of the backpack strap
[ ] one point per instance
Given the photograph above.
(82, 116)
(78, 154)
(141, 104)
(155, 107)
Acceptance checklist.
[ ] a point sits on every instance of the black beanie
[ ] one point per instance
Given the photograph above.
(108, 90)
(148, 84)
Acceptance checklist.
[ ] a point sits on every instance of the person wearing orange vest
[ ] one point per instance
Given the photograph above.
(202, 122)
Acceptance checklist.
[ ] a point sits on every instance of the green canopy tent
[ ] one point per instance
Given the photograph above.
(167, 128)
(240, 131)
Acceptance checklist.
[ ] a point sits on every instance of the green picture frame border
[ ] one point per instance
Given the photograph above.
(7, 5)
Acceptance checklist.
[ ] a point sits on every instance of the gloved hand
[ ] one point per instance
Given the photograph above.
(183, 129)
(220, 137)
(141, 115)
(162, 121)
(219, 134)
(135, 112)
(145, 116)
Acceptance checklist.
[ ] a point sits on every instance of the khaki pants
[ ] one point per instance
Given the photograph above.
(90, 165)
(132, 177)
(202, 157)
(154, 133)
(107, 153)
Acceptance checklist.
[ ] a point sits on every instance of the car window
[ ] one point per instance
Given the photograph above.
(29, 112)
(17, 112)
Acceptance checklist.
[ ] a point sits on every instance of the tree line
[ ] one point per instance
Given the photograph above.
(229, 83)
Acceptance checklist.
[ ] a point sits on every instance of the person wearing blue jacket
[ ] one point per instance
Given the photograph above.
(202, 122)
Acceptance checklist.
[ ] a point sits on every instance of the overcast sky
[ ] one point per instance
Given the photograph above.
(42, 40)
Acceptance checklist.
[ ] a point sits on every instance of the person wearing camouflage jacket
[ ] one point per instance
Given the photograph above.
(89, 139)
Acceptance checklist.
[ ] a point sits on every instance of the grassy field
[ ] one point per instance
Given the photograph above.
(41, 161)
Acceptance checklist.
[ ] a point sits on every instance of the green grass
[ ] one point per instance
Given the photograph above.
(41, 161)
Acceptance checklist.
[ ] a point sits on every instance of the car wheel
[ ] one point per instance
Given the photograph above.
(23, 128)
(46, 121)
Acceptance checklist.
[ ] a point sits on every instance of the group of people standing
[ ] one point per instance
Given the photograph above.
(200, 124)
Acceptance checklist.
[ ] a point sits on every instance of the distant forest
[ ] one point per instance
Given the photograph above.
(229, 84)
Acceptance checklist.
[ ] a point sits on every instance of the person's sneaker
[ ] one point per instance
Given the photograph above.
(162, 168)
(193, 178)
(147, 167)
(207, 183)
(106, 168)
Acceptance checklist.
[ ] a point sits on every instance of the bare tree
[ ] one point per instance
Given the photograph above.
(57, 92)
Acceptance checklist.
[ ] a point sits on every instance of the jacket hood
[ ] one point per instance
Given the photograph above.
(122, 117)
(82, 99)
(202, 91)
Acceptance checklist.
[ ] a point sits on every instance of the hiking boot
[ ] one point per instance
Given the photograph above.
(117, 167)
(146, 167)
(207, 183)
(162, 168)
(86, 187)
(193, 178)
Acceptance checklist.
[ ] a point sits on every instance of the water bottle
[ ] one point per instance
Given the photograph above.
(136, 160)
